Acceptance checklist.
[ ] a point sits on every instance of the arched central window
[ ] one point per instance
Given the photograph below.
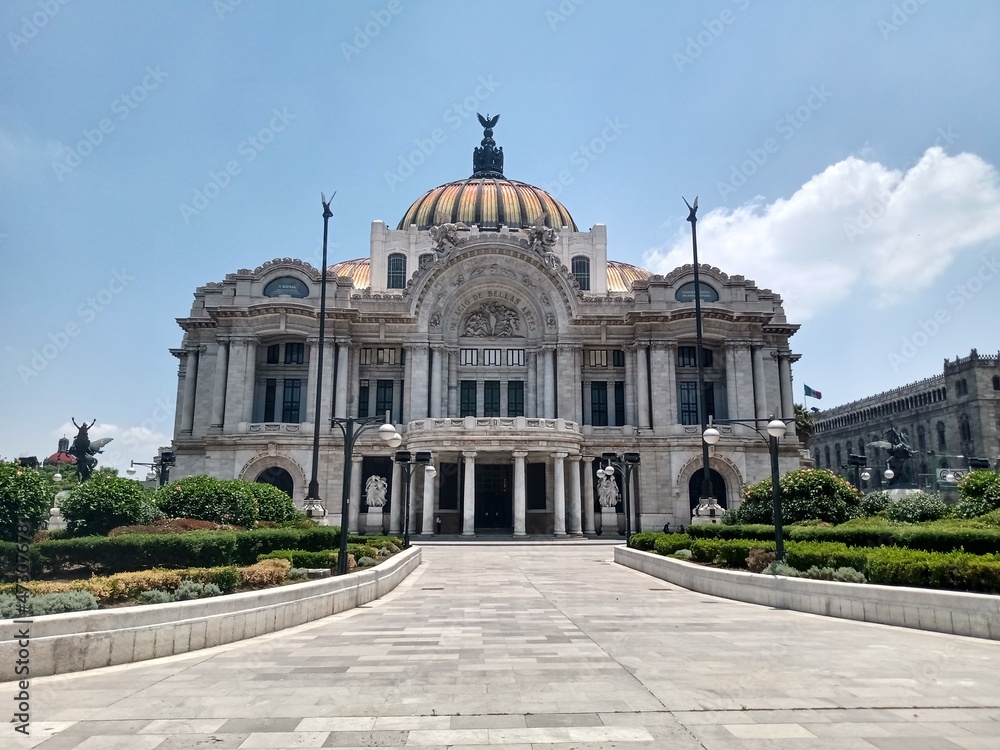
(396, 275)
(581, 271)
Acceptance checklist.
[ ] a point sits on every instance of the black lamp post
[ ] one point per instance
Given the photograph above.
(624, 463)
(775, 429)
(351, 427)
(406, 461)
(158, 469)
(857, 462)
(313, 505)
(706, 499)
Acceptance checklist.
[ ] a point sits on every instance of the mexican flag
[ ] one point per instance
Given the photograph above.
(813, 394)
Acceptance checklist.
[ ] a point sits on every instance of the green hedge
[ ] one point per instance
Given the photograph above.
(203, 549)
(928, 539)
(894, 566)
(302, 559)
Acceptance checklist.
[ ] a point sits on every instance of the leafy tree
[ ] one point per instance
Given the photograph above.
(806, 494)
(105, 501)
(917, 507)
(804, 424)
(24, 495)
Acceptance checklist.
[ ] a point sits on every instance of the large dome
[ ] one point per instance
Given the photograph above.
(487, 202)
(487, 199)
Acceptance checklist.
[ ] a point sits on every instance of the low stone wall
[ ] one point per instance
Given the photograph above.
(75, 641)
(952, 612)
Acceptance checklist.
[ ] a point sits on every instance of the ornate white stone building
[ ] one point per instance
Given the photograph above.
(498, 336)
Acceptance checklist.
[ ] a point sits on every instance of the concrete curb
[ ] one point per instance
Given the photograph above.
(77, 641)
(953, 612)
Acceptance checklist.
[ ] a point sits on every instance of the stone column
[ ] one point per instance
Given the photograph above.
(417, 381)
(469, 495)
(427, 524)
(452, 383)
(520, 492)
(643, 385)
(531, 386)
(190, 381)
(548, 378)
(785, 383)
(436, 351)
(249, 384)
(407, 390)
(567, 385)
(235, 381)
(309, 392)
(559, 491)
(354, 500)
(343, 384)
(396, 504)
(663, 388)
(354, 382)
(326, 397)
(219, 391)
(631, 386)
(759, 391)
(588, 495)
(574, 526)
(732, 387)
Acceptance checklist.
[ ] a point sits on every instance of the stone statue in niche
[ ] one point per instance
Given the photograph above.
(540, 237)
(375, 491)
(492, 320)
(607, 492)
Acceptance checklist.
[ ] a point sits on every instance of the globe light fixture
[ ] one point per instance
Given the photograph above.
(711, 436)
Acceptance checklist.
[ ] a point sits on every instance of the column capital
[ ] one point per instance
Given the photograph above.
(469, 455)
(735, 344)
(637, 346)
(437, 347)
(243, 338)
(519, 454)
(357, 459)
(665, 344)
(417, 345)
(575, 457)
(588, 459)
(560, 454)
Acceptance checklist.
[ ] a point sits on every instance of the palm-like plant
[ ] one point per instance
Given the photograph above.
(804, 424)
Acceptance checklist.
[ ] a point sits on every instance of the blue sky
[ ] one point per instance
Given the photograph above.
(845, 155)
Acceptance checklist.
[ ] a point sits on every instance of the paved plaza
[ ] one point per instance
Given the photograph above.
(540, 647)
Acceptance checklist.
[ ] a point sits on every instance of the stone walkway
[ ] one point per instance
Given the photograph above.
(540, 648)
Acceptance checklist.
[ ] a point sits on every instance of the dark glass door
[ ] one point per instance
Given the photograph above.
(494, 497)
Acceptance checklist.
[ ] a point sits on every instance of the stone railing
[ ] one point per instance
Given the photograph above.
(502, 423)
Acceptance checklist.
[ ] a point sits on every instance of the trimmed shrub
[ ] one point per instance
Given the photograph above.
(646, 541)
(225, 501)
(298, 574)
(916, 507)
(778, 568)
(194, 590)
(104, 502)
(170, 526)
(303, 559)
(759, 559)
(265, 573)
(367, 562)
(362, 550)
(873, 504)
(683, 554)
(155, 596)
(68, 601)
(23, 496)
(226, 579)
(806, 494)
(668, 544)
(980, 489)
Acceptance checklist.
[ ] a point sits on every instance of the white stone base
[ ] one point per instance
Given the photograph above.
(373, 524)
(609, 521)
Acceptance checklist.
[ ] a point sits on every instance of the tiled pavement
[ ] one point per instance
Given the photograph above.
(540, 648)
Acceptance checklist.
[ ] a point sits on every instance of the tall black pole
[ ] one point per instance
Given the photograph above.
(345, 496)
(706, 479)
(313, 499)
(407, 473)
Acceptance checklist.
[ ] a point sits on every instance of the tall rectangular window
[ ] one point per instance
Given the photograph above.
(599, 403)
(290, 401)
(617, 358)
(362, 398)
(295, 353)
(385, 356)
(366, 356)
(515, 358)
(598, 357)
(273, 353)
(491, 398)
(467, 398)
(619, 402)
(470, 357)
(689, 403)
(492, 357)
(686, 356)
(383, 396)
(270, 388)
(515, 398)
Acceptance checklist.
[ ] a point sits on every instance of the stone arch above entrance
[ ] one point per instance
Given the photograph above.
(261, 464)
(277, 477)
(730, 476)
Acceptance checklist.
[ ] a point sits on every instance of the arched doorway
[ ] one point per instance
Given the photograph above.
(718, 488)
(277, 477)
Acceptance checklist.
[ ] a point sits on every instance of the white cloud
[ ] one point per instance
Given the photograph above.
(128, 443)
(857, 222)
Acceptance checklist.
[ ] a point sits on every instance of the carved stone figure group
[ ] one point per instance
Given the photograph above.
(376, 489)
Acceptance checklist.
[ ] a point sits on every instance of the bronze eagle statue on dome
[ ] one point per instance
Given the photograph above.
(488, 122)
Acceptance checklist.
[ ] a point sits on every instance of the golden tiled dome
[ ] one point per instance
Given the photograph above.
(487, 202)
(620, 275)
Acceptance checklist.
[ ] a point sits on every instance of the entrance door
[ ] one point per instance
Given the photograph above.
(718, 488)
(494, 498)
